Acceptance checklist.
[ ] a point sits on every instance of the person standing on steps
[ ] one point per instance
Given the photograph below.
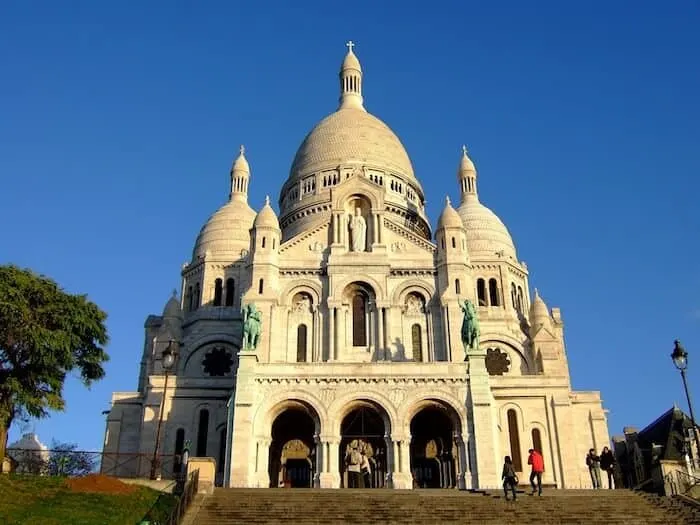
(509, 477)
(593, 463)
(537, 461)
(353, 459)
(366, 470)
(607, 463)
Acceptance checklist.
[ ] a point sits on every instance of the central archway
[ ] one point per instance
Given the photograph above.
(433, 450)
(363, 432)
(292, 460)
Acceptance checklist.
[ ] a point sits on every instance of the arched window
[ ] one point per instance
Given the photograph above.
(222, 451)
(454, 242)
(443, 243)
(202, 433)
(514, 440)
(301, 343)
(521, 303)
(230, 291)
(273, 243)
(179, 445)
(189, 299)
(218, 291)
(458, 287)
(481, 292)
(359, 321)
(196, 297)
(537, 440)
(263, 242)
(260, 286)
(417, 342)
(493, 292)
(514, 295)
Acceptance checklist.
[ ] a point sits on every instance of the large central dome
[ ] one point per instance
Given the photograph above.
(351, 135)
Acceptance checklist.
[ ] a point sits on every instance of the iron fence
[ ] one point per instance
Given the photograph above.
(71, 463)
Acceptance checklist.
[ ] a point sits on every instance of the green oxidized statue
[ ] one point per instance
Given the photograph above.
(252, 324)
(470, 326)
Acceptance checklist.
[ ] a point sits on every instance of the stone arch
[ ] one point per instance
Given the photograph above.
(275, 404)
(435, 453)
(411, 407)
(503, 416)
(361, 187)
(378, 289)
(342, 406)
(303, 285)
(293, 432)
(412, 285)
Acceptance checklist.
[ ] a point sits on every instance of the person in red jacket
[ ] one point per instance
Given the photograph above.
(537, 461)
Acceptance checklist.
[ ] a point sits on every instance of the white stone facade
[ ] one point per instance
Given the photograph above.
(358, 347)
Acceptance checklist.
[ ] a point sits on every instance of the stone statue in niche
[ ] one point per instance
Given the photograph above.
(414, 306)
(358, 232)
(302, 304)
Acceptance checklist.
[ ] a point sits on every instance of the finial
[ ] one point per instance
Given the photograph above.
(464, 150)
(267, 200)
(537, 294)
(242, 149)
(350, 44)
(174, 292)
(447, 201)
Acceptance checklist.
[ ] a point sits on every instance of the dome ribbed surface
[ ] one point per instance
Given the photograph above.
(486, 233)
(351, 135)
(227, 231)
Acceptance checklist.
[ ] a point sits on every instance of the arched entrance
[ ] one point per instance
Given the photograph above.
(433, 450)
(292, 460)
(364, 429)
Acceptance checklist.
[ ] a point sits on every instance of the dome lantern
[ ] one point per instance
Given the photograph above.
(240, 176)
(351, 81)
(466, 175)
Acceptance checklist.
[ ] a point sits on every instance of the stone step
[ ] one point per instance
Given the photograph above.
(314, 506)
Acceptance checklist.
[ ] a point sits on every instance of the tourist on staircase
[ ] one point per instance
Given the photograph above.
(607, 463)
(366, 470)
(593, 463)
(510, 479)
(537, 461)
(353, 459)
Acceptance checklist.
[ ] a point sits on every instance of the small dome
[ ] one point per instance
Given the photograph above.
(241, 163)
(466, 166)
(351, 61)
(227, 232)
(487, 236)
(449, 218)
(266, 218)
(172, 307)
(538, 309)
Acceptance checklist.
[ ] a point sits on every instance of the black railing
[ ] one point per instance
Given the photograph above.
(186, 497)
(72, 463)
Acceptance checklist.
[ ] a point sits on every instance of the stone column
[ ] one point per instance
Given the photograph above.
(402, 477)
(262, 463)
(380, 334)
(319, 460)
(461, 459)
(330, 477)
(314, 337)
(446, 332)
(430, 344)
(331, 333)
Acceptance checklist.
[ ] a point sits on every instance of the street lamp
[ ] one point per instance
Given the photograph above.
(680, 360)
(167, 362)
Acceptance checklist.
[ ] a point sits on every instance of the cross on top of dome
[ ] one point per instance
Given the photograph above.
(350, 44)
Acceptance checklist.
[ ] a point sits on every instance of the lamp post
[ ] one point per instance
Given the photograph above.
(680, 360)
(167, 362)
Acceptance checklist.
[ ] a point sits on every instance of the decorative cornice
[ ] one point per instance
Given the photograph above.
(346, 380)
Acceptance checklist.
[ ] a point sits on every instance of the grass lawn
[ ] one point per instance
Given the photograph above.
(44, 500)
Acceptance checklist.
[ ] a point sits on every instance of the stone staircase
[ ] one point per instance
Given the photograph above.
(313, 506)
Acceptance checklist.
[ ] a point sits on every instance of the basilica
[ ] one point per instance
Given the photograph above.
(335, 326)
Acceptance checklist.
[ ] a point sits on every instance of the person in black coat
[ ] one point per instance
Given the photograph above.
(607, 463)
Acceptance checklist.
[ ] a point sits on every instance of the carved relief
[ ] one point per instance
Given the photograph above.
(398, 247)
(327, 396)
(301, 304)
(397, 395)
(415, 304)
(316, 247)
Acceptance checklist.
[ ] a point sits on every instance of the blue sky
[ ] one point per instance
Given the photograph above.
(119, 122)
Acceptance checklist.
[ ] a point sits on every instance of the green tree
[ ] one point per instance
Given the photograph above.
(45, 333)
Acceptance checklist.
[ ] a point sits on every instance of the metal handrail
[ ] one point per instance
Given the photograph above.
(189, 491)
